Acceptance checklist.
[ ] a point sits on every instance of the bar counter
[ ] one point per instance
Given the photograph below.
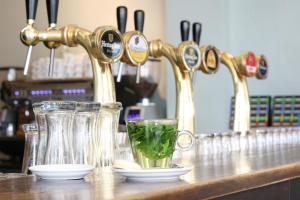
(260, 174)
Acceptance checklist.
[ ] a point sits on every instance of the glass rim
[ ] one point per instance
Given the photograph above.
(85, 106)
(58, 105)
(112, 105)
(29, 127)
(158, 121)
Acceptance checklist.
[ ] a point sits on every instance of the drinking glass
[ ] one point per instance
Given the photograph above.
(40, 119)
(59, 119)
(84, 132)
(153, 141)
(105, 134)
(30, 149)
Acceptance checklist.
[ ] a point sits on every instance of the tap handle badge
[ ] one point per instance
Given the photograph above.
(122, 18)
(185, 30)
(31, 6)
(263, 68)
(139, 18)
(197, 29)
(52, 10)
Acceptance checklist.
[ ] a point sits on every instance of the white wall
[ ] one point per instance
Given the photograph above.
(270, 27)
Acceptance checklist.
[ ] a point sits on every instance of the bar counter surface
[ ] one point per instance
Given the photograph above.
(260, 174)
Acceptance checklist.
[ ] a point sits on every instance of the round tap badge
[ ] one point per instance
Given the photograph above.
(111, 44)
(191, 57)
(251, 64)
(138, 48)
(211, 59)
(262, 68)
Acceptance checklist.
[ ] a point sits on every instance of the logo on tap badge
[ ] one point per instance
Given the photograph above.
(191, 57)
(138, 48)
(262, 68)
(111, 44)
(251, 64)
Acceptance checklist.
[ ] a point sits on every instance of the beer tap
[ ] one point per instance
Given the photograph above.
(186, 58)
(139, 18)
(31, 6)
(242, 67)
(52, 9)
(210, 54)
(104, 45)
(183, 59)
(121, 20)
(136, 45)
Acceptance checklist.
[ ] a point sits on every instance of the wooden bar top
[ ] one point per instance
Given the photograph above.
(213, 176)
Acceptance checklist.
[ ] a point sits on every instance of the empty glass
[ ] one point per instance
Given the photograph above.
(40, 119)
(84, 132)
(105, 134)
(30, 149)
(59, 119)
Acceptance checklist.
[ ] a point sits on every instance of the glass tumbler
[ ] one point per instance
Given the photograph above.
(84, 132)
(30, 149)
(40, 119)
(59, 120)
(105, 134)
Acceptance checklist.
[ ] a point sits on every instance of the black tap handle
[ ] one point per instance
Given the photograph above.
(139, 17)
(122, 18)
(197, 28)
(185, 30)
(31, 6)
(52, 9)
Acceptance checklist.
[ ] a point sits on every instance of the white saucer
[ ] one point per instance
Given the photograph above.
(61, 172)
(154, 175)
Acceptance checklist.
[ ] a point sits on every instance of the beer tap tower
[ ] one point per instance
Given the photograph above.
(186, 58)
(242, 67)
(104, 46)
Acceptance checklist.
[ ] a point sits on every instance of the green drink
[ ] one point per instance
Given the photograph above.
(152, 142)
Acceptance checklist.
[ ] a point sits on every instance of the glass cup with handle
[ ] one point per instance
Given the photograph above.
(153, 142)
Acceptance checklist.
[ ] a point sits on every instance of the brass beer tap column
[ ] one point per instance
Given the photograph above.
(246, 65)
(104, 46)
(187, 58)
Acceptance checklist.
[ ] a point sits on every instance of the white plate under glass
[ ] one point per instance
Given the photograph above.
(154, 175)
(63, 172)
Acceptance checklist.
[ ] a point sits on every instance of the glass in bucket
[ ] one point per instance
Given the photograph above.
(30, 149)
(59, 121)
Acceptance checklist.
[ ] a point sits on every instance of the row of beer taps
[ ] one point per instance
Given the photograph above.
(107, 45)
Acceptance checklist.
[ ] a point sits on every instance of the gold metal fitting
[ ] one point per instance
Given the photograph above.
(263, 67)
(189, 56)
(210, 59)
(107, 44)
(136, 48)
(51, 44)
(29, 35)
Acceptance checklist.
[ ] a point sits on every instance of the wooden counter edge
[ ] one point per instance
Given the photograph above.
(224, 186)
